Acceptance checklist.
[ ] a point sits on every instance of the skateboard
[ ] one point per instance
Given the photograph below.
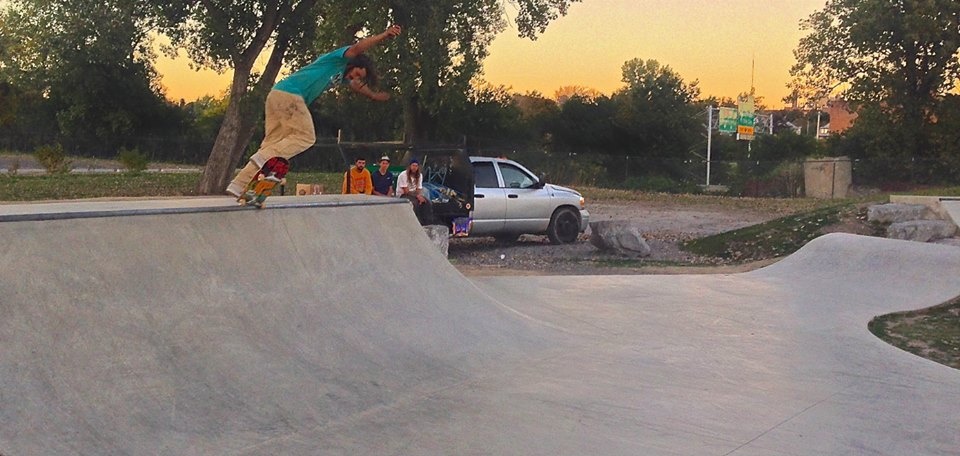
(271, 173)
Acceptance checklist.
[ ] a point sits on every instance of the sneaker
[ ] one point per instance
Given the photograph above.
(234, 190)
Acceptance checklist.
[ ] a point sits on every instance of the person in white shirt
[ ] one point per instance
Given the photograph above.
(410, 186)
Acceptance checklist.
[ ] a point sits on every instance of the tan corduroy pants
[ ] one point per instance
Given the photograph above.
(288, 131)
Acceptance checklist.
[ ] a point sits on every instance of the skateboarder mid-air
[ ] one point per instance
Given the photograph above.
(288, 124)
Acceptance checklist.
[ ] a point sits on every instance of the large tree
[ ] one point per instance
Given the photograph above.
(90, 66)
(440, 51)
(234, 35)
(656, 110)
(586, 126)
(900, 56)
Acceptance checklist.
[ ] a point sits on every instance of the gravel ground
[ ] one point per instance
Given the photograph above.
(665, 226)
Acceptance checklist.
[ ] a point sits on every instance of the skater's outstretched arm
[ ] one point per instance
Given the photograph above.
(365, 44)
(358, 86)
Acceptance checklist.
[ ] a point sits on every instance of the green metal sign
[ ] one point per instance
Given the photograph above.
(727, 120)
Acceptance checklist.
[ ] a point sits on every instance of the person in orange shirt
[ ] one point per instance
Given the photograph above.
(358, 180)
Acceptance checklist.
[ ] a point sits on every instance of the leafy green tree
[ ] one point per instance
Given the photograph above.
(356, 118)
(487, 114)
(538, 114)
(435, 61)
(440, 51)
(784, 146)
(91, 66)
(8, 104)
(656, 110)
(234, 35)
(587, 127)
(901, 57)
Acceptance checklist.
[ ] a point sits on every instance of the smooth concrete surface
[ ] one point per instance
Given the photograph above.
(952, 207)
(312, 330)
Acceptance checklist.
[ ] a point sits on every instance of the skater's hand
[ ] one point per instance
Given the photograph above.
(360, 87)
(365, 44)
(392, 31)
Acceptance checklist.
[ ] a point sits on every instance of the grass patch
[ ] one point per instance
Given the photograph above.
(775, 238)
(932, 333)
(936, 191)
(75, 186)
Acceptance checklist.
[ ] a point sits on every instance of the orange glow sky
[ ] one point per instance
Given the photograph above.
(712, 41)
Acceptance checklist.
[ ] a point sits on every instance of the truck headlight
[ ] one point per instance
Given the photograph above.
(583, 203)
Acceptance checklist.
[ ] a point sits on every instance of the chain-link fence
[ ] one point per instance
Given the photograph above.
(783, 178)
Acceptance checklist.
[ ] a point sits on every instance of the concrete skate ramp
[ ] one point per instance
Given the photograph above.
(143, 331)
(775, 361)
(192, 327)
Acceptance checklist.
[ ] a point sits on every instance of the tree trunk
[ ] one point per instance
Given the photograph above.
(412, 134)
(233, 137)
(245, 107)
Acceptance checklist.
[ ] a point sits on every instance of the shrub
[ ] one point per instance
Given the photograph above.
(788, 178)
(132, 159)
(53, 159)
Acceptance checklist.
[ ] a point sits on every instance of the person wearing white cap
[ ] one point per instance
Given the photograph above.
(383, 178)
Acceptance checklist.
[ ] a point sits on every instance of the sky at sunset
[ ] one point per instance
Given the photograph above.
(713, 41)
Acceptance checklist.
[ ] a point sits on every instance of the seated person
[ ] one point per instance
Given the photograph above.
(383, 178)
(410, 185)
(357, 180)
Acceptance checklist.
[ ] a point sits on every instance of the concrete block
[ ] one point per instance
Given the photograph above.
(827, 178)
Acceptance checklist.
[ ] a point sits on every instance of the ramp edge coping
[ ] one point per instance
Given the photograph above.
(104, 213)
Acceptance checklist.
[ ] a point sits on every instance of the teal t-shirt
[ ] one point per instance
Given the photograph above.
(310, 81)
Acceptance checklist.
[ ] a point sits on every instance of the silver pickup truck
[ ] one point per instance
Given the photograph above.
(510, 200)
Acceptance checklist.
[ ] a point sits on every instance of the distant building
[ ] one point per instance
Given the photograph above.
(793, 127)
(841, 116)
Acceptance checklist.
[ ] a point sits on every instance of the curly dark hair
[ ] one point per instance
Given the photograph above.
(365, 62)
